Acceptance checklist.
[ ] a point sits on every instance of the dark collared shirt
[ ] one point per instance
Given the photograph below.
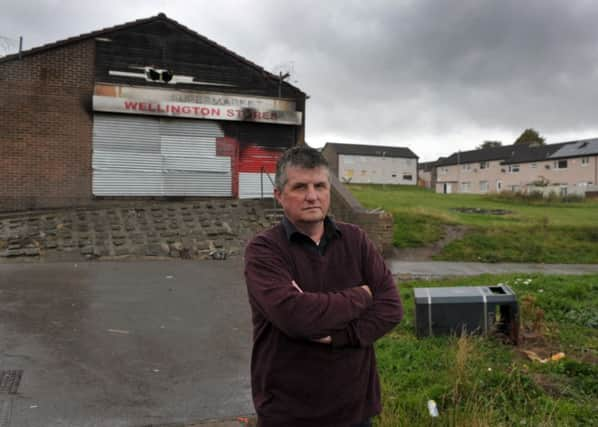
(331, 232)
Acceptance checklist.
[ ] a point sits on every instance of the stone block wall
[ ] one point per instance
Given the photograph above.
(211, 229)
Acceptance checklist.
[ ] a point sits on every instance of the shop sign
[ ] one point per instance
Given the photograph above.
(194, 104)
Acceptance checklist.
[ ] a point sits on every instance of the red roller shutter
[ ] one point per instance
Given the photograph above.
(252, 158)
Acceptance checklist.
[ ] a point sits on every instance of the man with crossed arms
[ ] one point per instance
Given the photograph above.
(320, 295)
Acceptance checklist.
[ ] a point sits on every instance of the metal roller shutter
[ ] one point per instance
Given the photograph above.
(255, 185)
(252, 160)
(149, 156)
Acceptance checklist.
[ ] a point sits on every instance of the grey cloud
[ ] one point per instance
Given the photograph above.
(391, 70)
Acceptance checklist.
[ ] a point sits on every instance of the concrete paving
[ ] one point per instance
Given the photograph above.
(425, 269)
(125, 344)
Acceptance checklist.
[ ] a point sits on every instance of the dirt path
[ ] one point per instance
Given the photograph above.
(451, 233)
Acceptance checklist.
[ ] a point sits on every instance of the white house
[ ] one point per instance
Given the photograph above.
(372, 164)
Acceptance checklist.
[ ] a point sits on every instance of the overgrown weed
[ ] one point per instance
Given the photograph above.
(481, 382)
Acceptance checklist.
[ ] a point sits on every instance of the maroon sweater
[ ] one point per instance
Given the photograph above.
(297, 382)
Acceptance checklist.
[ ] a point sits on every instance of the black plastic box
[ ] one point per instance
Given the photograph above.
(472, 309)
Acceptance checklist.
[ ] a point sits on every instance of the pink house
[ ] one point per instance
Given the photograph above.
(564, 168)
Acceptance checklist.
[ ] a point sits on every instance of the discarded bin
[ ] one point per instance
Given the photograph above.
(480, 309)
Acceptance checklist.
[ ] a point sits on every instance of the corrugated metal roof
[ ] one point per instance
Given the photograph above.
(587, 147)
(372, 150)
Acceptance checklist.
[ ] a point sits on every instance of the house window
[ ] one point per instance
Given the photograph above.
(563, 192)
(394, 175)
(585, 161)
(465, 187)
(466, 167)
(515, 188)
(443, 171)
(499, 186)
(348, 160)
(407, 177)
(513, 168)
(483, 165)
(560, 164)
(483, 186)
(533, 165)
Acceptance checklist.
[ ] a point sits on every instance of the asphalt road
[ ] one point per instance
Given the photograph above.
(124, 343)
(142, 343)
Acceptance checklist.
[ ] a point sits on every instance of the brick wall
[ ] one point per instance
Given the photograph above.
(229, 147)
(377, 224)
(46, 128)
(379, 227)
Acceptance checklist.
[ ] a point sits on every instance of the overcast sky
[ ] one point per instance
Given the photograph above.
(436, 76)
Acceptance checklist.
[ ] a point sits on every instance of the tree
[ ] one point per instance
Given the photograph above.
(489, 144)
(530, 137)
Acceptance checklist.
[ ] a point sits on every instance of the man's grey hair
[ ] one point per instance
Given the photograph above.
(300, 156)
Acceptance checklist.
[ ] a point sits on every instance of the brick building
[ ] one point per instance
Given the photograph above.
(149, 108)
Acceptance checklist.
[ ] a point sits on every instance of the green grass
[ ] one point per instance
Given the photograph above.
(557, 244)
(532, 231)
(481, 381)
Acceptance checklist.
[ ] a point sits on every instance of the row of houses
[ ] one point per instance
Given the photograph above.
(564, 168)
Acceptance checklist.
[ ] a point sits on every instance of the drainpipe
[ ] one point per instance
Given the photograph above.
(458, 171)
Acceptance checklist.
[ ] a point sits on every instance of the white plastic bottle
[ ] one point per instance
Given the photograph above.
(432, 408)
